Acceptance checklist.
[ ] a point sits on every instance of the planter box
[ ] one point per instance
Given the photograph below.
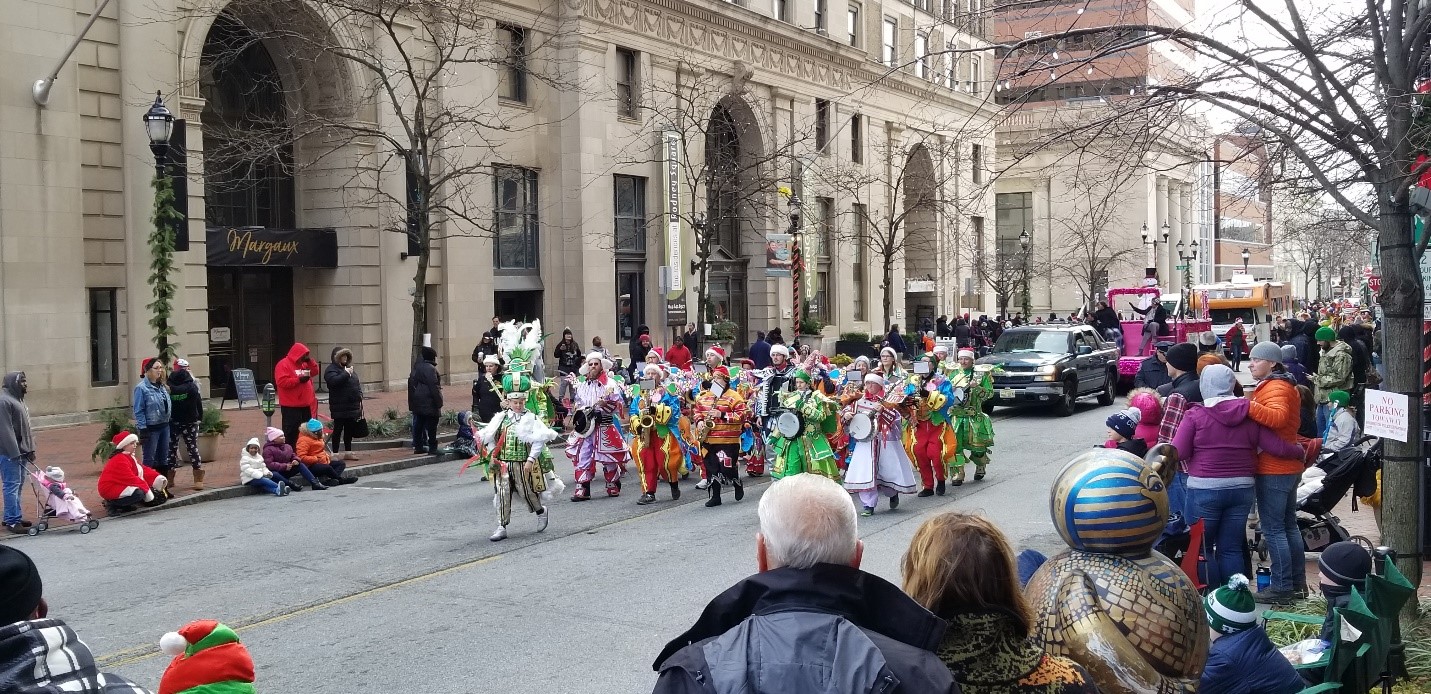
(855, 349)
(208, 448)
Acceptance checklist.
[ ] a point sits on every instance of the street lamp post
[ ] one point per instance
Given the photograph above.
(1246, 256)
(159, 126)
(796, 261)
(1024, 246)
(1187, 259)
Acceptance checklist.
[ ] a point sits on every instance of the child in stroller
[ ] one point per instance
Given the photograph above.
(59, 501)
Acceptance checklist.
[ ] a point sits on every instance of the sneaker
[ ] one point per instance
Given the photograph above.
(703, 484)
(499, 534)
(647, 498)
(15, 528)
(542, 517)
(869, 511)
(283, 489)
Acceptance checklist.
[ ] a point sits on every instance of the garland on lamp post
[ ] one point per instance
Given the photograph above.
(161, 267)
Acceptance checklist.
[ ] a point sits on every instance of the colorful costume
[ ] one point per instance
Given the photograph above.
(655, 443)
(879, 465)
(774, 382)
(721, 421)
(602, 395)
(810, 451)
(973, 429)
(932, 440)
(513, 443)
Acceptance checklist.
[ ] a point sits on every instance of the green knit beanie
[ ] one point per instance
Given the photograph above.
(1231, 609)
(1326, 333)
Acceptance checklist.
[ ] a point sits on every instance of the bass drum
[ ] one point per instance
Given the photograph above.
(861, 427)
(788, 424)
(583, 422)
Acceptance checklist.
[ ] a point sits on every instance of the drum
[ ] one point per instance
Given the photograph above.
(583, 422)
(788, 424)
(861, 427)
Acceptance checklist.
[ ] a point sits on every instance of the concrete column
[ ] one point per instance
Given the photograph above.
(1155, 229)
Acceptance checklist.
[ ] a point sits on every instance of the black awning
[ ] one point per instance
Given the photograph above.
(267, 247)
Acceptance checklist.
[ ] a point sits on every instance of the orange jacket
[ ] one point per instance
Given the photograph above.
(1276, 405)
(310, 449)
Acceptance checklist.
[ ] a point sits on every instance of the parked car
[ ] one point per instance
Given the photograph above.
(1052, 364)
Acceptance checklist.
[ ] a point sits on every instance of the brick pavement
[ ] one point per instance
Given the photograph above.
(69, 446)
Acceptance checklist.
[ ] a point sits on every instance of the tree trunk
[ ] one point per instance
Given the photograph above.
(888, 291)
(1401, 297)
(419, 277)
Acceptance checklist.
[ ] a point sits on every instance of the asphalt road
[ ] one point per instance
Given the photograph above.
(391, 585)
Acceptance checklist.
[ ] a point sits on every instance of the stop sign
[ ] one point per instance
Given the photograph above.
(1374, 283)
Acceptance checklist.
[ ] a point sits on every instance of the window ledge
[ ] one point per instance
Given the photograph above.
(634, 120)
(513, 103)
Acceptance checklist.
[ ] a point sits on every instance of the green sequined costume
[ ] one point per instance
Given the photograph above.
(972, 427)
(810, 451)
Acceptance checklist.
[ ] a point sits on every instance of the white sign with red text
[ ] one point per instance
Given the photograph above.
(1387, 415)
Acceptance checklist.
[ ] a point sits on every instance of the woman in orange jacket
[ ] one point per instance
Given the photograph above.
(1276, 405)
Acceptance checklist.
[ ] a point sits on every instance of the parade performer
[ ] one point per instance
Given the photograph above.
(715, 356)
(889, 366)
(513, 443)
(878, 465)
(600, 395)
(973, 429)
(721, 416)
(810, 450)
(774, 382)
(655, 418)
(932, 437)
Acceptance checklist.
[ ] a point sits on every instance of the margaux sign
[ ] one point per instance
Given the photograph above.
(269, 247)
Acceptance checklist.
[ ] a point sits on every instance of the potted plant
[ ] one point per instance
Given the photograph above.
(115, 420)
(855, 344)
(211, 428)
(723, 333)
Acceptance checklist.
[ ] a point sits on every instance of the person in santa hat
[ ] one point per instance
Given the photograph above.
(715, 356)
(721, 416)
(208, 659)
(657, 448)
(775, 382)
(973, 429)
(878, 466)
(124, 483)
(602, 395)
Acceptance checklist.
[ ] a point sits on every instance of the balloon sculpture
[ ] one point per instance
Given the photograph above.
(1127, 614)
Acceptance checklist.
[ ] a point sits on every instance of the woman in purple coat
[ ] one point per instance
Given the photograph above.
(1218, 444)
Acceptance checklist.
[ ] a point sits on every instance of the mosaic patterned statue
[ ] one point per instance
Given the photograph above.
(1127, 614)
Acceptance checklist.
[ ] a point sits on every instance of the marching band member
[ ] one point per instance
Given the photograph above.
(810, 451)
(721, 417)
(715, 356)
(654, 422)
(973, 429)
(889, 366)
(933, 434)
(878, 465)
(513, 442)
(598, 392)
(775, 382)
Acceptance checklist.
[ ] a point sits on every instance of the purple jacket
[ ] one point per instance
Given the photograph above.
(1222, 441)
(278, 456)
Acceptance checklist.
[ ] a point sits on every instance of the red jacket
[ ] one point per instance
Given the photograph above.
(123, 475)
(295, 390)
(679, 356)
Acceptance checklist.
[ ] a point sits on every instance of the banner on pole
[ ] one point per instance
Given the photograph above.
(779, 256)
(671, 215)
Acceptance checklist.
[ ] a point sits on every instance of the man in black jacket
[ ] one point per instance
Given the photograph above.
(424, 400)
(810, 620)
(186, 410)
(1153, 372)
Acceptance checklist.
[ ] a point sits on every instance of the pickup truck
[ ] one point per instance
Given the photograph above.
(1052, 364)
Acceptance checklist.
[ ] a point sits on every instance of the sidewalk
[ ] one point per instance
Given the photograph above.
(69, 447)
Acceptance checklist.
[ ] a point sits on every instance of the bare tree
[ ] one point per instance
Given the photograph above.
(436, 70)
(1092, 247)
(1005, 271)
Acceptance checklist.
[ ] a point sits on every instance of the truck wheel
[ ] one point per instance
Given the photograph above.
(1068, 400)
(1110, 388)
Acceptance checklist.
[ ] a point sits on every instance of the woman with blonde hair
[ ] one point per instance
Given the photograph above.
(960, 567)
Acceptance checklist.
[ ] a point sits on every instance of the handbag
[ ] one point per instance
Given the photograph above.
(360, 428)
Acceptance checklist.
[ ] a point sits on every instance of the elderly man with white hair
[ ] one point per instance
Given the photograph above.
(810, 620)
(600, 396)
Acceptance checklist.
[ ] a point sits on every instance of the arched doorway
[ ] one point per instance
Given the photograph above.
(248, 182)
(733, 195)
(921, 248)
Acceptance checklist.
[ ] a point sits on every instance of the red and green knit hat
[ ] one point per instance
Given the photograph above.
(208, 659)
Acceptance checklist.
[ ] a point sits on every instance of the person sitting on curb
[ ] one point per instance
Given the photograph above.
(782, 628)
(313, 452)
(124, 484)
(254, 473)
(1242, 658)
(40, 654)
(284, 463)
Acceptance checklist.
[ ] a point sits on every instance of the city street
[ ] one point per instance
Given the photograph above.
(391, 585)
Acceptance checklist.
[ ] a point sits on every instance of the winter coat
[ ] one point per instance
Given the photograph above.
(482, 350)
(42, 656)
(1186, 384)
(252, 467)
(486, 398)
(679, 356)
(16, 439)
(1298, 372)
(896, 341)
(123, 475)
(1248, 663)
(824, 629)
(311, 450)
(1342, 431)
(152, 406)
(568, 357)
(278, 456)
(988, 657)
(345, 390)
(1334, 371)
(424, 389)
(185, 401)
(639, 352)
(1361, 355)
(1135, 445)
(759, 354)
(1275, 404)
(1152, 373)
(1106, 319)
(1222, 441)
(294, 389)
(1234, 337)
(1308, 352)
(1150, 419)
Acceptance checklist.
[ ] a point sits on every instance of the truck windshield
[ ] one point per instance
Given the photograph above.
(1032, 341)
(1222, 316)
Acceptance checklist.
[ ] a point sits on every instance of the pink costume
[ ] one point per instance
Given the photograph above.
(605, 445)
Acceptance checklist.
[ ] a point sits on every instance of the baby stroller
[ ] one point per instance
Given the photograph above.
(51, 504)
(1324, 486)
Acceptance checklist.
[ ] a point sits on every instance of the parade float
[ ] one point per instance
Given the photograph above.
(1180, 327)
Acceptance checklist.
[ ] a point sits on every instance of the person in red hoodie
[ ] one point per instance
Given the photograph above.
(679, 356)
(293, 376)
(124, 484)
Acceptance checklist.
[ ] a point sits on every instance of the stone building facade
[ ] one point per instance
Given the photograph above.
(568, 223)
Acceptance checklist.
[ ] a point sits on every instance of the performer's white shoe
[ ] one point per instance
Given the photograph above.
(499, 534)
(541, 520)
(703, 484)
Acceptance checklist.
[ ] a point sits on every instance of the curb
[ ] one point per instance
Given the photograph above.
(236, 491)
